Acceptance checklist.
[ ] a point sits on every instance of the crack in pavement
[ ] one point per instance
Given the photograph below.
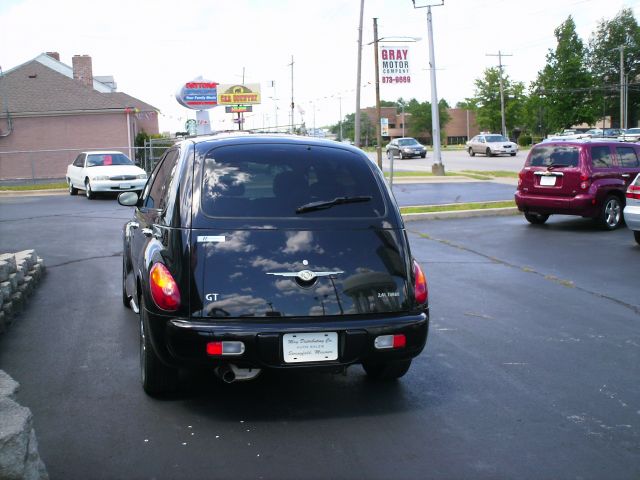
(97, 257)
(566, 283)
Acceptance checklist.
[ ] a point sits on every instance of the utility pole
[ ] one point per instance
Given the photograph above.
(437, 168)
(622, 89)
(378, 113)
(292, 104)
(359, 79)
(340, 123)
(500, 55)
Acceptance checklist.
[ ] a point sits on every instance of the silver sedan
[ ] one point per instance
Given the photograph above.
(632, 208)
(491, 144)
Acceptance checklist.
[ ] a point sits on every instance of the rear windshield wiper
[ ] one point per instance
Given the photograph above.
(323, 204)
(556, 165)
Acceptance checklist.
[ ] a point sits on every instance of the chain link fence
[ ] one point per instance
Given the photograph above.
(23, 167)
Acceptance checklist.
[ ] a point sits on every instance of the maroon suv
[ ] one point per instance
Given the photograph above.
(586, 178)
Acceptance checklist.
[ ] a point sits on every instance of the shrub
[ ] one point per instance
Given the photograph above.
(524, 140)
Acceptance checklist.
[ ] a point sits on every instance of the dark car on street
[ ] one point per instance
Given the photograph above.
(577, 177)
(406, 147)
(250, 252)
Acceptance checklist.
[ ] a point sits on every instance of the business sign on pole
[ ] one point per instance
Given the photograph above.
(239, 109)
(394, 61)
(384, 127)
(247, 94)
(198, 94)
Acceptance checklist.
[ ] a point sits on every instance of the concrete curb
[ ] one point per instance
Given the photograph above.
(484, 212)
(32, 193)
(19, 459)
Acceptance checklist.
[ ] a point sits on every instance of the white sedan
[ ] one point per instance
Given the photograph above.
(491, 144)
(104, 171)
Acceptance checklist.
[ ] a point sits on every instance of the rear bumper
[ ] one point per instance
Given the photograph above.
(632, 217)
(182, 342)
(582, 205)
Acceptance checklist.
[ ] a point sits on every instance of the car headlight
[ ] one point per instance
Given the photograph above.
(100, 177)
(406, 149)
(142, 176)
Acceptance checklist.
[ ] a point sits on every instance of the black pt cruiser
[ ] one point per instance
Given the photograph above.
(248, 252)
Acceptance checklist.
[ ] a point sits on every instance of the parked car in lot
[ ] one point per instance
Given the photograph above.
(406, 147)
(630, 135)
(579, 177)
(632, 209)
(104, 171)
(491, 144)
(248, 252)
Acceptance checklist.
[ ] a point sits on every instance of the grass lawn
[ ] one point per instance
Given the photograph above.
(458, 206)
(36, 186)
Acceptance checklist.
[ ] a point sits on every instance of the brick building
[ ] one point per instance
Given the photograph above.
(50, 111)
(458, 130)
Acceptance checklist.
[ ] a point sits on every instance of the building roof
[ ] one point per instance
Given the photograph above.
(36, 87)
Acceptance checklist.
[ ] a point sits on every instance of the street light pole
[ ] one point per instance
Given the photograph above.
(356, 134)
(378, 114)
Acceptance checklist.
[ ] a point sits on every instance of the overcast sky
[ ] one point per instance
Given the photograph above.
(154, 47)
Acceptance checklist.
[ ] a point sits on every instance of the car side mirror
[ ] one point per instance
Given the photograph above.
(129, 199)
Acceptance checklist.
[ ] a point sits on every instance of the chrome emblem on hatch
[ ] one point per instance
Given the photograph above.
(305, 275)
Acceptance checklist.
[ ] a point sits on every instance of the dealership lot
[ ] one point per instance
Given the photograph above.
(531, 369)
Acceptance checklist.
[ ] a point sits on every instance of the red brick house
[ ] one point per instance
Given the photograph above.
(50, 111)
(461, 125)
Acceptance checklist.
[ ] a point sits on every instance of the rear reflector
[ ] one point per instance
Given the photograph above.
(390, 341)
(218, 349)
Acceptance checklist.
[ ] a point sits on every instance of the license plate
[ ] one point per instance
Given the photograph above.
(547, 181)
(310, 347)
(125, 187)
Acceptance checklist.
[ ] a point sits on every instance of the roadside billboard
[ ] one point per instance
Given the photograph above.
(235, 94)
(198, 94)
(395, 66)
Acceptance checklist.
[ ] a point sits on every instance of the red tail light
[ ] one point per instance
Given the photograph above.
(420, 289)
(164, 289)
(585, 182)
(633, 192)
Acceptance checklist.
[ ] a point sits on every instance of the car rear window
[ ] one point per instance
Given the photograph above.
(558, 155)
(274, 180)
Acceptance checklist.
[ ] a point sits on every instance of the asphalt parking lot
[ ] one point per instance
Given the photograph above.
(531, 369)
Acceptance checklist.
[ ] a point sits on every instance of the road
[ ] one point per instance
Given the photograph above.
(531, 369)
(455, 161)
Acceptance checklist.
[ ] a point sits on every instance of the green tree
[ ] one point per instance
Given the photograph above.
(421, 121)
(604, 63)
(486, 101)
(348, 128)
(564, 86)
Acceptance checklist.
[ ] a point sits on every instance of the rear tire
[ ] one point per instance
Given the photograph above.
(386, 371)
(125, 297)
(636, 235)
(471, 152)
(157, 378)
(610, 216)
(536, 218)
